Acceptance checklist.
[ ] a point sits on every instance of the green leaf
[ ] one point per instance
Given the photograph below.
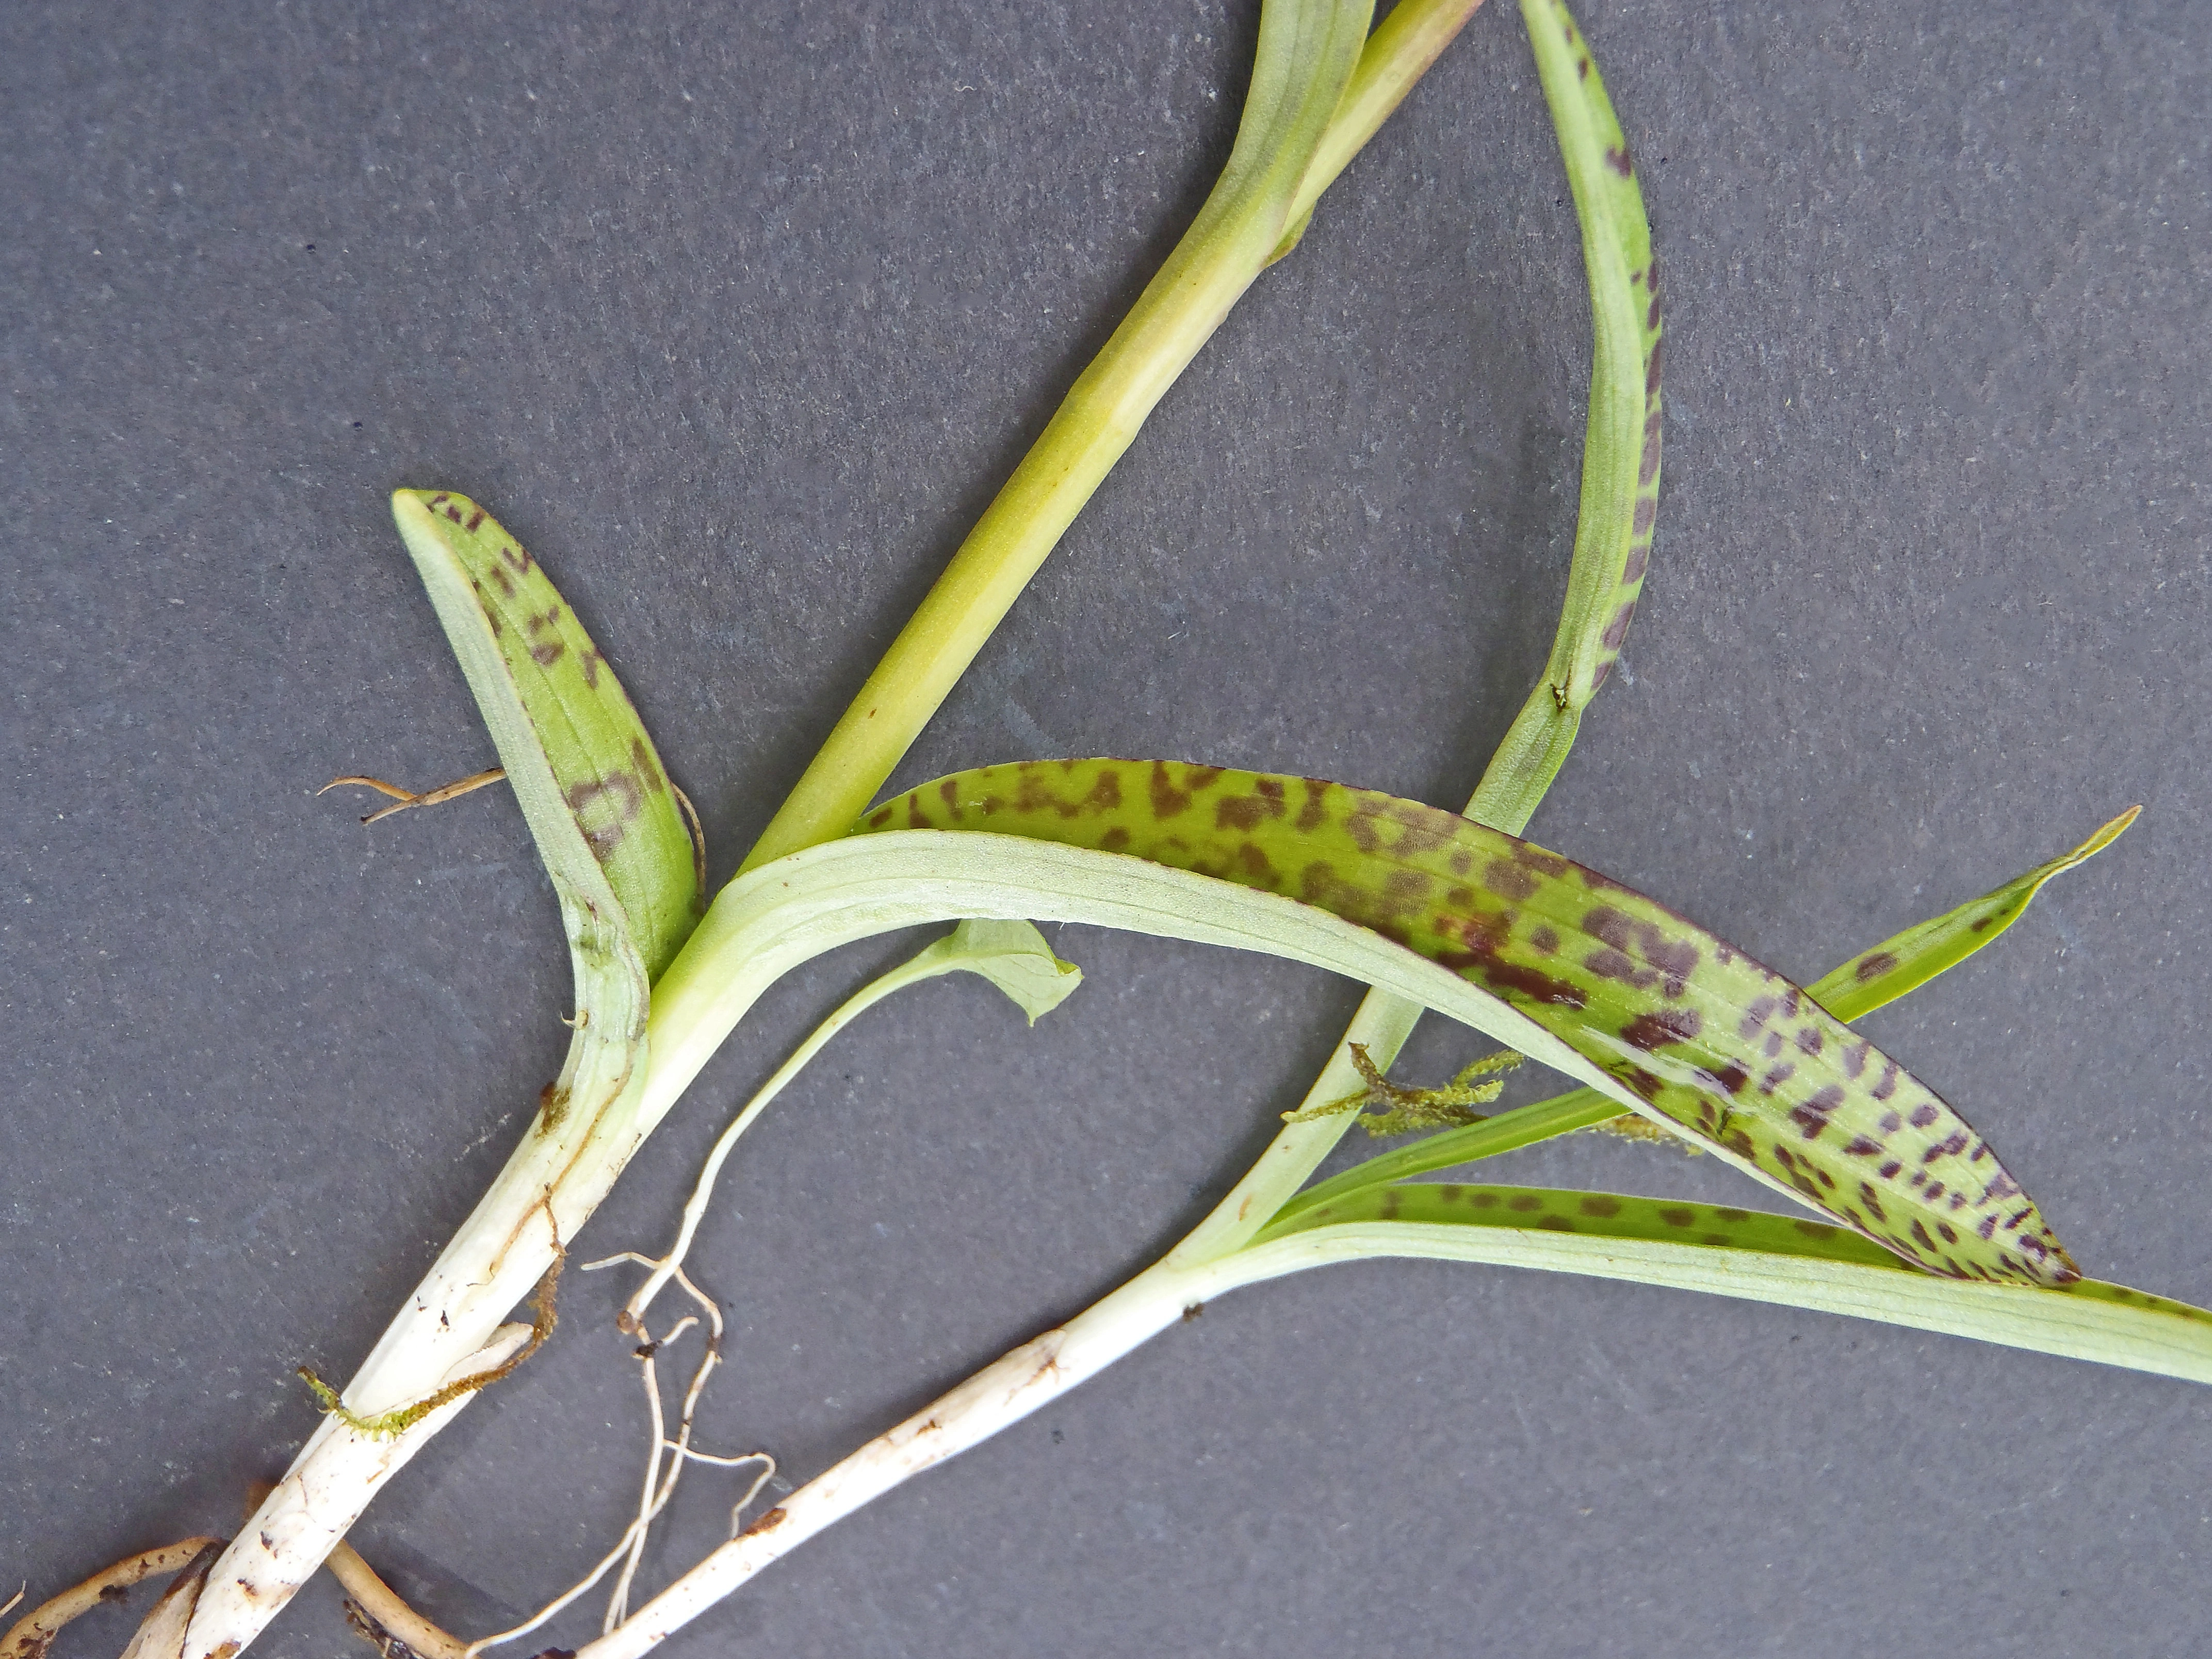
(1011, 955)
(1606, 1215)
(1899, 964)
(591, 789)
(1726, 1251)
(1911, 958)
(586, 773)
(1690, 1030)
(1619, 501)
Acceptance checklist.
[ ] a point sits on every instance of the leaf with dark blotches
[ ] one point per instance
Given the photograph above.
(1695, 1031)
(1725, 1251)
(1620, 442)
(1602, 1215)
(1874, 978)
(574, 749)
(583, 770)
(1916, 956)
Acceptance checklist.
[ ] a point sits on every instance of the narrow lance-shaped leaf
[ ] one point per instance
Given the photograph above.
(1621, 447)
(1871, 979)
(1700, 1034)
(579, 759)
(1909, 960)
(1726, 1251)
(589, 781)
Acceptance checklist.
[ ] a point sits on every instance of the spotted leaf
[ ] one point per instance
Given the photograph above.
(1719, 1248)
(1875, 976)
(1697, 1032)
(566, 730)
(1621, 440)
(1605, 1215)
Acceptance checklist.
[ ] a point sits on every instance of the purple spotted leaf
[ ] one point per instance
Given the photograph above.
(1604, 1215)
(580, 762)
(1873, 978)
(1790, 1260)
(1696, 1031)
(1621, 440)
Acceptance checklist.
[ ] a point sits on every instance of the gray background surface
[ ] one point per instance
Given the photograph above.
(737, 315)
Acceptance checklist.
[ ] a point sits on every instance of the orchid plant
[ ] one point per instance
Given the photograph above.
(1888, 1205)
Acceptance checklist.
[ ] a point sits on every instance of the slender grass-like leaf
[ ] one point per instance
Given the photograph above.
(1899, 964)
(1696, 1033)
(1727, 1251)
(1619, 503)
(1909, 960)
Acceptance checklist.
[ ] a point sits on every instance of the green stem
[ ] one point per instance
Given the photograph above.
(1611, 541)
(1289, 149)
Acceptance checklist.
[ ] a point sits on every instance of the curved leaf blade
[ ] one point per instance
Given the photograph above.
(1900, 963)
(585, 771)
(1599, 1215)
(1908, 960)
(1705, 1037)
(2087, 1319)
(1621, 443)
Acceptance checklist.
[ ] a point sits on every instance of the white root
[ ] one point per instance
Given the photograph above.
(996, 1397)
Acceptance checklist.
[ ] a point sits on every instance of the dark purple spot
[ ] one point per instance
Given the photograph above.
(1874, 966)
(1245, 812)
(1544, 942)
(1924, 1114)
(1609, 963)
(1808, 1039)
(1524, 1202)
(1649, 1032)
(1509, 881)
(1598, 1203)
(1616, 631)
(1167, 799)
(1312, 811)
(1676, 1216)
